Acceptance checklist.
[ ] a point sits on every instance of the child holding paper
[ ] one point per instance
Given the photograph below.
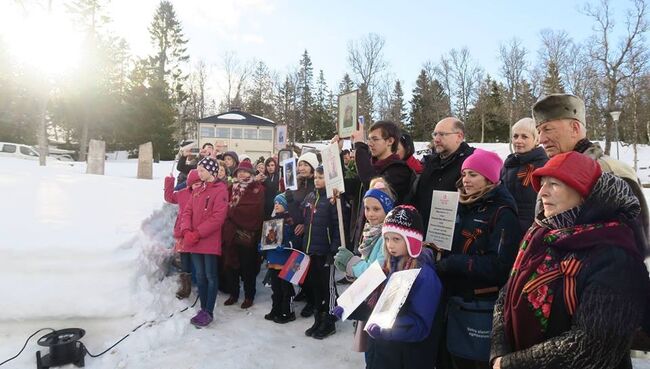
(320, 241)
(410, 342)
(282, 297)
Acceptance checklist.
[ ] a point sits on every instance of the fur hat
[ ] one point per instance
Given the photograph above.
(193, 177)
(246, 166)
(406, 221)
(578, 171)
(309, 158)
(486, 163)
(559, 106)
(210, 165)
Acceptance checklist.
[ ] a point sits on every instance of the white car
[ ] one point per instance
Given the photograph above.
(15, 150)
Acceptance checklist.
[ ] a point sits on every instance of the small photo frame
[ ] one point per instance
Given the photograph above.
(348, 113)
(272, 231)
(280, 137)
(290, 174)
(284, 155)
(306, 148)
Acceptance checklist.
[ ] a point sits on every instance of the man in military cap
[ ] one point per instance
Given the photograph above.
(560, 120)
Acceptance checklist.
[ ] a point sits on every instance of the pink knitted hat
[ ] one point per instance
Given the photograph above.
(486, 163)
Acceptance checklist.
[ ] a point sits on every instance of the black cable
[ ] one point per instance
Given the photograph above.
(136, 328)
(25, 345)
(108, 349)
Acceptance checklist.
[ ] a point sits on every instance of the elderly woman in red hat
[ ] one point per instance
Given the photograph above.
(576, 293)
(241, 234)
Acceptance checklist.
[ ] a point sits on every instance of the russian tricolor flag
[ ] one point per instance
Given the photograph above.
(296, 267)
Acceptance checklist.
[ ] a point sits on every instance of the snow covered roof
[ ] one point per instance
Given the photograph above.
(238, 117)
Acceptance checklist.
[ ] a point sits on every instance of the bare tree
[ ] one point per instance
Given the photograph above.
(366, 58)
(513, 67)
(466, 76)
(236, 73)
(443, 73)
(611, 58)
(635, 68)
(556, 48)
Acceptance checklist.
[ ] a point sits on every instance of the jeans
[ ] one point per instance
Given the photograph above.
(205, 267)
(186, 262)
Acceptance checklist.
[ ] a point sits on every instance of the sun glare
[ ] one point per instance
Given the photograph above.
(45, 42)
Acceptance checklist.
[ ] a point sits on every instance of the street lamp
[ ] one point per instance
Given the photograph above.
(615, 116)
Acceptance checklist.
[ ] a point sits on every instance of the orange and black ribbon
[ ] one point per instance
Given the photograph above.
(569, 270)
(526, 175)
(470, 238)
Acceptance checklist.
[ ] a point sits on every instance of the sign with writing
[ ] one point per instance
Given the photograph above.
(442, 220)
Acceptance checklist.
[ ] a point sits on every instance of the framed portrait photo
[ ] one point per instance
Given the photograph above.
(272, 234)
(348, 113)
(290, 174)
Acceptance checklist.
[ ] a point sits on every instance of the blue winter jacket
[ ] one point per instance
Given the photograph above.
(282, 253)
(321, 236)
(415, 319)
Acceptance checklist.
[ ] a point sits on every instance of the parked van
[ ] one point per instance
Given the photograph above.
(9, 149)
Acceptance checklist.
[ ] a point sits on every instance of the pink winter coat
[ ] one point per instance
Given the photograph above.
(177, 197)
(206, 212)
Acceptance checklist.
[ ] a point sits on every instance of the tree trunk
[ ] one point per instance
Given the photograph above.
(42, 131)
(482, 127)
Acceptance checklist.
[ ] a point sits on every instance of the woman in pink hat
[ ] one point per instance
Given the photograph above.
(485, 241)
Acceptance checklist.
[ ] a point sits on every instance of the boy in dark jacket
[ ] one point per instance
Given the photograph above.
(282, 297)
(320, 241)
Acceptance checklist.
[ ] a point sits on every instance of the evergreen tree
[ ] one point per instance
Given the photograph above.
(166, 34)
(346, 84)
(488, 120)
(553, 84)
(286, 107)
(397, 111)
(429, 104)
(305, 95)
(321, 126)
(259, 98)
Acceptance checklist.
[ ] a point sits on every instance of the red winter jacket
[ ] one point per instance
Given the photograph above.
(181, 198)
(206, 212)
(248, 216)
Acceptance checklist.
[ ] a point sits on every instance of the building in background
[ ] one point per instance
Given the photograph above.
(240, 132)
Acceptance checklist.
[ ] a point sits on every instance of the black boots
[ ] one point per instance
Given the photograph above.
(326, 328)
(323, 326)
(185, 288)
(307, 311)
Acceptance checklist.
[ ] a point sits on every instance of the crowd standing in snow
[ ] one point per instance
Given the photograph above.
(546, 265)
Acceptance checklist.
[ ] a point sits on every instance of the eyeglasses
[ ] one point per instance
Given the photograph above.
(375, 139)
(442, 134)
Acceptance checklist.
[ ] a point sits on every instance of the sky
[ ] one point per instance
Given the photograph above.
(278, 31)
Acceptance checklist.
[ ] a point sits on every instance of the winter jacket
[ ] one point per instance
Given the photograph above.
(611, 165)
(246, 216)
(276, 258)
(356, 266)
(177, 197)
(438, 174)
(410, 343)
(516, 174)
(486, 236)
(608, 293)
(321, 223)
(271, 189)
(396, 172)
(296, 198)
(206, 212)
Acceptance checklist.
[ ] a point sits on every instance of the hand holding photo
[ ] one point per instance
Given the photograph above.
(290, 174)
(392, 298)
(272, 231)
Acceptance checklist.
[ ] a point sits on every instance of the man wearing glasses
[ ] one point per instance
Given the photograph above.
(442, 167)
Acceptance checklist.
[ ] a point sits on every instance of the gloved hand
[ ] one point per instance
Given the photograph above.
(169, 181)
(338, 312)
(191, 238)
(373, 330)
(342, 258)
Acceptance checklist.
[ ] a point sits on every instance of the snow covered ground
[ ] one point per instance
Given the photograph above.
(90, 251)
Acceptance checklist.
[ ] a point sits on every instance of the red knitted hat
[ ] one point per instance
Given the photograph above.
(245, 166)
(578, 171)
(193, 177)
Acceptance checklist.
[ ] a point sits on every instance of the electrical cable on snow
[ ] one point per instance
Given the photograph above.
(150, 322)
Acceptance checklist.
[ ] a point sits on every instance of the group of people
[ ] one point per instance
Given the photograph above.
(545, 270)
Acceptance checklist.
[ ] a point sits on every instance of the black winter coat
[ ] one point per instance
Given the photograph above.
(271, 189)
(485, 242)
(321, 223)
(516, 175)
(441, 175)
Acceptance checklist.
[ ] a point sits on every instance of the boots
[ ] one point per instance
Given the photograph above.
(185, 288)
(307, 311)
(317, 320)
(326, 328)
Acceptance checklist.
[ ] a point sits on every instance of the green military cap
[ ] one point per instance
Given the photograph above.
(559, 106)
